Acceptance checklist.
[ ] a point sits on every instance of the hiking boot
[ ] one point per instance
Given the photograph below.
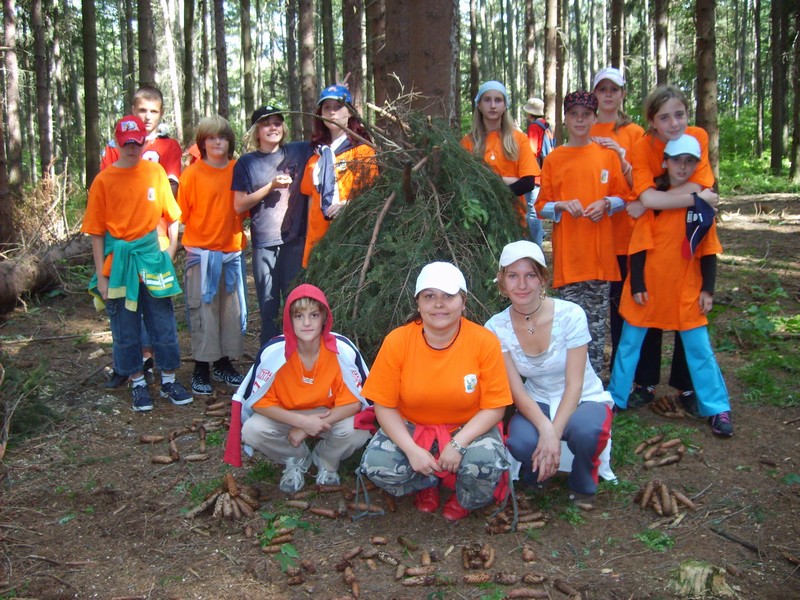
(142, 402)
(201, 382)
(176, 393)
(641, 396)
(721, 424)
(582, 501)
(688, 401)
(427, 500)
(116, 381)
(453, 511)
(293, 478)
(324, 476)
(224, 372)
(147, 371)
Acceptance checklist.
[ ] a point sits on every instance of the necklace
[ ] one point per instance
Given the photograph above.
(530, 328)
(308, 380)
(453, 341)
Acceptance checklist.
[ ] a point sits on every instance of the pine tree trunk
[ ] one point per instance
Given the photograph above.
(44, 108)
(147, 45)
(617, 33)
(376, 52)
(580, 55)
(130, 50)
(530, 50)
(168, 10)
(328, 43)
(759, 79)
(223, 106)
(14, 131)
(293, 68)
(91, 106)
(778, 86)
(794, 171)
(661, 16)
(188, 69)
(474, 58)
(550, 37)
(707, 78)
(60, 91)
(8, 234)
(247, 59)
(308, 77)
(205, 58)
(353, 48)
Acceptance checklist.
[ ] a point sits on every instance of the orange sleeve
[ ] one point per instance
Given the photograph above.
(110, 156)
(703, 175)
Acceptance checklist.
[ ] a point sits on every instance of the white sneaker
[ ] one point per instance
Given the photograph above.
(325, 477)
(292, 479)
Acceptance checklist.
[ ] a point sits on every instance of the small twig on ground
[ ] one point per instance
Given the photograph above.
(729, 536)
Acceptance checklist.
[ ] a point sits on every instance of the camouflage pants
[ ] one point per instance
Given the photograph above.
(480, 470)
(592, 296)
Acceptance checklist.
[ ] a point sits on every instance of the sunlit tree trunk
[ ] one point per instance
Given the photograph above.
(375, 11)
(130, 51)
(707, 78)
(660, 18)
(8, 234)
(353, 48)
(794, 170)
(759, 79)
(44, 107)
(205, 58)
(510, 51)
(474, 59)
(188, 68)
(223, 105)
(147, 45)
(91, 107)
(778, 87)
(293, 68)
(530, 50)
(328, 42)
(168, 10)
(617, 33)
(308, 77)
(247, 58)
(580, 55)
(562, 67)
(60, 109)
(550, 37)
(14, 132)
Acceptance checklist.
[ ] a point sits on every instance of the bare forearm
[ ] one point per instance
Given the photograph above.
(340, 413)
(479, 424)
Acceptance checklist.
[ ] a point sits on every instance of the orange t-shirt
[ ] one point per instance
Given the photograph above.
(206, 202)
(582, 250)
(525, 165)
(289, 390)
(673, 283)
(626, 137)
(355, 168)
(128, 203)
(647, 158)
(439, 387)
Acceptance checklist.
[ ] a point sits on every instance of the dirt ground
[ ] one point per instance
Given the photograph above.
(84, 513)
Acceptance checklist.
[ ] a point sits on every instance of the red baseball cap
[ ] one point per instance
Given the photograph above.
(130, 129)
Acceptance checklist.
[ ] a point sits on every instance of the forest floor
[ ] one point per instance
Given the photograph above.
(84, 513)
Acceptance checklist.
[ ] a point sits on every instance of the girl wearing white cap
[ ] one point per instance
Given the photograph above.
(495, 139)
(545, 340)
(440, 389)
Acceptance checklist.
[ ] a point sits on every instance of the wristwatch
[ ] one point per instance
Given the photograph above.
(458, 447)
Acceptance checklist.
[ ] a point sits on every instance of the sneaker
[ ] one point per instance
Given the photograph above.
(721, 424)
(689, 402)
(427, 500)
(147, 370)
(293, 478)
(225, 373)
(201, 382)
(582, 501)
(641, 395)
(324, 476)
(116, 381)
(176, 393)
(453, 511)
(142, 402)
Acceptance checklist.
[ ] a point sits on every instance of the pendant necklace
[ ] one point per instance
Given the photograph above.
(531, 328)
(308, 380)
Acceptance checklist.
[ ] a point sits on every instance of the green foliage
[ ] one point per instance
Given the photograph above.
(742, 175)
(453, 208)
(263, 471)
(572, 515)
(288, 553)
(200, 491)
(34, 413)
(656, 540)
(214, 439)
(791, 479)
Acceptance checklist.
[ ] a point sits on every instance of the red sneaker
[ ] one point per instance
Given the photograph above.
(453, 511)
(428, 499)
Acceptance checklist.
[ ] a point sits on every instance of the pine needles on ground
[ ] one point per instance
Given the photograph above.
(432, 201)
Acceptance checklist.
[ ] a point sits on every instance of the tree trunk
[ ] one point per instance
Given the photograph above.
(794, 171)
(205, 58)
(168, 10)
(147, 44)
(707, 78)
(580, 55)
(36, 272)
(759, 79)
(8, 233)
(376, 48)
(91, 106)
(44, 108)
(188, 69)
(247, 59)
(14, 132)
(510, 53)
(550, 39)
(293, 69)
(353, 49)
(661, 18)
(561, 60)
(223, 106)
(617, 33)
(474, 58)
(530, 50)
(130, 50)
(60, 92)
(308, 76)
(328, 42)
(422, 49)
(778, 87)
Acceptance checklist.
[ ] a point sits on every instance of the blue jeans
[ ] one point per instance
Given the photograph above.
(534, 224)
(126, 328)
(274, 270)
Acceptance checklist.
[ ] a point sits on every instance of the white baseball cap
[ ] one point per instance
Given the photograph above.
(522, 249)
(440, 276)
(612, 74)
(686, 144)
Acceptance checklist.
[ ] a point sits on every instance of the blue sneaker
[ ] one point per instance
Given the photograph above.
(176, 393)
(721, 424)
(142, 402)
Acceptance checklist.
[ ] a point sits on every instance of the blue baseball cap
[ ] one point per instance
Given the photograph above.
(492, 85)
(699, 219)
(335, 92)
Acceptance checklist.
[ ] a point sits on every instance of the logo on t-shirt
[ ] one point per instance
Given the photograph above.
(152, 156)
(604, 176)
(151, 194)
(470, 383)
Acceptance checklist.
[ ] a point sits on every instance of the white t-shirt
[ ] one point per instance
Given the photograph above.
(545, 373)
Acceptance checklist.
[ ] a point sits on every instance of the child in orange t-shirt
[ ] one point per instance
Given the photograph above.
(582, 186)
(671, 286)
(305, 384)
(134, 277)
(214, 239)
(495, 139)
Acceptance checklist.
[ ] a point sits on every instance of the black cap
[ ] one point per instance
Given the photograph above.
(265, 111)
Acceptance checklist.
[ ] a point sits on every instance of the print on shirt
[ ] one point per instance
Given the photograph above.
(151, 194)
(470, 383)
(604, 176)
